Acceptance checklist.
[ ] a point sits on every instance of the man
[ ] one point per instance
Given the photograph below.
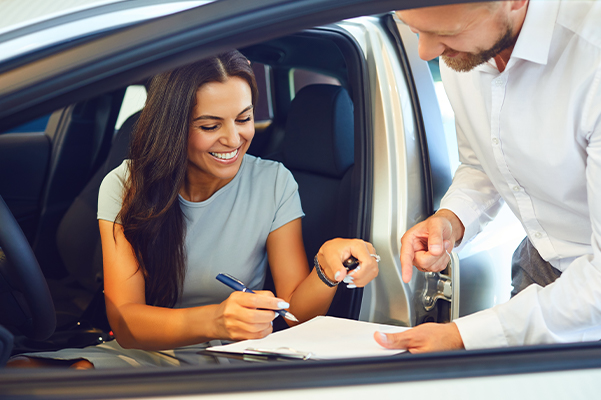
(524, 80)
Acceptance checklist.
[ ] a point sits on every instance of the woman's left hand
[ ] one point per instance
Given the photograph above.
(333, 252)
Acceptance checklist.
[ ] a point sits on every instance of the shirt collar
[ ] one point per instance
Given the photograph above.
(534, 41)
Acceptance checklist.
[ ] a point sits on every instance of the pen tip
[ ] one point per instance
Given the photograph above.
(291, 317)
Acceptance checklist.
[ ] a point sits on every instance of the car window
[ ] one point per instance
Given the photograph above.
(264, 106)
(303, 77)
(36, 125)
(135, 97)
(448, 117)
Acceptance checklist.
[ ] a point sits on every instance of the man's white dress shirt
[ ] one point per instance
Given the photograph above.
(531, 136)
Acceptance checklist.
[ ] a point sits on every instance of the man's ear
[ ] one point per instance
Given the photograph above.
(518, 4)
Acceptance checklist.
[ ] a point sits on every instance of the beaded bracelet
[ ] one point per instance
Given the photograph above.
(323, 276)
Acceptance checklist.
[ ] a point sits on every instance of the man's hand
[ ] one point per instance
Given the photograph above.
(423, 338)
(427, 245)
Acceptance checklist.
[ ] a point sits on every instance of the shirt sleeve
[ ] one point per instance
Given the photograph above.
(472, 196)
(110, 196)
(569, 309)
(288, 204)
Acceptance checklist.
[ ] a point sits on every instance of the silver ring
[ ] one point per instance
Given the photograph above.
(377, 257)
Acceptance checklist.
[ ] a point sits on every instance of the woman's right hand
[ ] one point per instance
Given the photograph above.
(247, 316)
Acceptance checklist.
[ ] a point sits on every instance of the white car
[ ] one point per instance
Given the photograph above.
(71, 84)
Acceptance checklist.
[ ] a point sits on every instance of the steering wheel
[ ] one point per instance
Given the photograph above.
(25, 301)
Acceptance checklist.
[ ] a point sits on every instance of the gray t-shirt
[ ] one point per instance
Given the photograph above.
(226, 233)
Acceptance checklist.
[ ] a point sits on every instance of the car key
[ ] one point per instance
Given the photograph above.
(350, 263)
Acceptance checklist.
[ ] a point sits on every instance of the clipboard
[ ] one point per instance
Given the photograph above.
(262, 355)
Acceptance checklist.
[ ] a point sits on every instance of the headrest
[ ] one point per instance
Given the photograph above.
(320, 131)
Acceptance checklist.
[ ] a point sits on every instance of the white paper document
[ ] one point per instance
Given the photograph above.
(321, 338)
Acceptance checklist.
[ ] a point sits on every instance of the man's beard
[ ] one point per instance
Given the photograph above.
(465, 62)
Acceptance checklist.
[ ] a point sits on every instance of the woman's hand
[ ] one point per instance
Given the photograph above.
(335, 251)
(247, 316)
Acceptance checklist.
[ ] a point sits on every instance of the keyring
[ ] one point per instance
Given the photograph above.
(377, 257)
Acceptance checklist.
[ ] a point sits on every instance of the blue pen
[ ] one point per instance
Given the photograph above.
(237, 285)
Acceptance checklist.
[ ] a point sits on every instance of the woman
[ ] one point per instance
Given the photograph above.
(189, 204)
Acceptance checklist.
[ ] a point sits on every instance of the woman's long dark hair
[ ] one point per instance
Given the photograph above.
(151, 216)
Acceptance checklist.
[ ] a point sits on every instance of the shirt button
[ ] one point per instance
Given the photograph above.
(538, 235)
(495, 140)
(516, 188)
(499, 82)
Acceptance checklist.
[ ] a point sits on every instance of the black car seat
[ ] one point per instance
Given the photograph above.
(79, 136)
(78, 298)
(318, 148)
(78, 237)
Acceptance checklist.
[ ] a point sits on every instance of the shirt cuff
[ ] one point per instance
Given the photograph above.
(481, 330)
(468, 217)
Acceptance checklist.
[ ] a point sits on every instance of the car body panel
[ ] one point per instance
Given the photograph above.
(545, 364)
(61, 33)
(386, 301)
(560, 385)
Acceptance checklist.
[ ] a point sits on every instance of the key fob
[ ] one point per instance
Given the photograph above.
(350, 263)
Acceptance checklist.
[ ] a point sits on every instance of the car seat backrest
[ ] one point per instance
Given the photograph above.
(78, 237)
(320, 131)
(318, 149)
(78, 135)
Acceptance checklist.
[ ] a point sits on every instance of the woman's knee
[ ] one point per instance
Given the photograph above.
(82, 364)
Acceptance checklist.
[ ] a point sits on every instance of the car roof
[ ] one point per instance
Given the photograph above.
(38, 24)
(16, 13)
(40, 81)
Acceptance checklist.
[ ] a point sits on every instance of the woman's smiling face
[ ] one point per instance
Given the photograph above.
(221, 130)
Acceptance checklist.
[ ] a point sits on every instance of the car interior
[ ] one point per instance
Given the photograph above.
(311, 117)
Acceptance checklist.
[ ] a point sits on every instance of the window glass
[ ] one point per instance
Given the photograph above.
(37, 125)
(263, 108)
(134, 100)
(302, 78)
(448, 117)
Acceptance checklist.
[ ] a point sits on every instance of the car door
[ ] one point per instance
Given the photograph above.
(414, 157)
(114, 59)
